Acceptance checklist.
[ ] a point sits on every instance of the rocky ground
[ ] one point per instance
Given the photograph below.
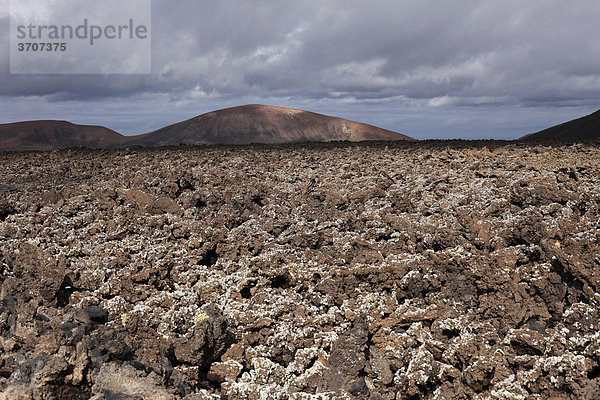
(378, 271)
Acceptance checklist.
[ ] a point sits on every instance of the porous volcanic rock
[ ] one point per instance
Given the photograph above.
(317, 271)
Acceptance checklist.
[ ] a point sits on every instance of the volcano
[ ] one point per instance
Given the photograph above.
(583, 128)
(256, 123)
(252, 123)
(51, 135)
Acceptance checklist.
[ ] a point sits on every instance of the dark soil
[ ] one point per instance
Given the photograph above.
(321, 271)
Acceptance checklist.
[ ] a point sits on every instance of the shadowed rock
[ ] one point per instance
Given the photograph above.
(583, 128)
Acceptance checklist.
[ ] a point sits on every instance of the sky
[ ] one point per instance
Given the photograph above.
(493, 69)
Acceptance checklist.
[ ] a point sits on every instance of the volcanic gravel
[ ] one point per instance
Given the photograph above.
(313, 271)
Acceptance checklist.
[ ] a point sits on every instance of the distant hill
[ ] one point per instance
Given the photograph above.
(50, 135)
(256, 123)
(238, 125)
(583, 128)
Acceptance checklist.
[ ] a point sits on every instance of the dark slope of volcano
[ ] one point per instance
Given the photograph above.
(583, 128)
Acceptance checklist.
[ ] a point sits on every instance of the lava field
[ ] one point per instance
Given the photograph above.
(400, 270)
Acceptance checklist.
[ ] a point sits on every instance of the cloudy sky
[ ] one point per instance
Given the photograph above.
(429, 69)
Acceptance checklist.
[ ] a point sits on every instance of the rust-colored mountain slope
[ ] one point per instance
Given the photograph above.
(238, 125)
(263, 124)
(50, 135)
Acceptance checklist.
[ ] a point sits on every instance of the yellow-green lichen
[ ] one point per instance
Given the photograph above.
(201, 318)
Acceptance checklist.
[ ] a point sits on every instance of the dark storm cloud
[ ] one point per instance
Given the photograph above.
(435, 53)
(378, 49)
(470, 50)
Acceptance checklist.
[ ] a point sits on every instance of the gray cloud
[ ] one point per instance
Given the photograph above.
(423, 56)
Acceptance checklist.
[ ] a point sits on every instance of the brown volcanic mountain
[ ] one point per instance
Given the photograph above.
(50, 135)
(583, 128)
(263, 124)
(238, 125)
